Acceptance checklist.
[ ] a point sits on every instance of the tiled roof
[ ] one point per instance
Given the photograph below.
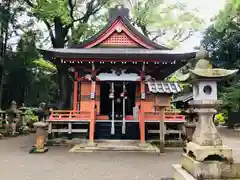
(184, 98)
(163, 87)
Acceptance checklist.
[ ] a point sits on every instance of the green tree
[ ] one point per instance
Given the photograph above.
(164, 22)
(230, 14)
(231, 98)
(223, 38)
(28, 79)
(5, 15)
(60, 17)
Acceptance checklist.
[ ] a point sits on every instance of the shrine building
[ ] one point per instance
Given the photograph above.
(117, 73)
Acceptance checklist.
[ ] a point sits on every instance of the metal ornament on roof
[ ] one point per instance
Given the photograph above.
(119, 29)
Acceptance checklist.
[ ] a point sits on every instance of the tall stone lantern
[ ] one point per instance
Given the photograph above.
(206, 157)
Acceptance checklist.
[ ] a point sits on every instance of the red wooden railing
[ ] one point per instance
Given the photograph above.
(69, 115)
(170, 115)
(58, 115)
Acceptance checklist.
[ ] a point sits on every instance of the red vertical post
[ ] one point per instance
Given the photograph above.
(93, 110)
(141, 117)
(75, 91)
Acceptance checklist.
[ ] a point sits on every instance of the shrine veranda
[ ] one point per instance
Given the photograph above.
(118, 83)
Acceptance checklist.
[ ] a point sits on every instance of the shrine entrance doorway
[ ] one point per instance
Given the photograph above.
(118, 101)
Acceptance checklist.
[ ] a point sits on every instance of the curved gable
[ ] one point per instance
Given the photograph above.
(119, 32)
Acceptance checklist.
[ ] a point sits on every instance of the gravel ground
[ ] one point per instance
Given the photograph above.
(59, 164)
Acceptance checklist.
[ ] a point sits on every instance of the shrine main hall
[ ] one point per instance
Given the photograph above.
(119, 83)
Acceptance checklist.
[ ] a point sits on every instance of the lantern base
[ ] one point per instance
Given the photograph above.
(35, 150)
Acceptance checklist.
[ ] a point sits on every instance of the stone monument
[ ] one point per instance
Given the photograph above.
(206, 157)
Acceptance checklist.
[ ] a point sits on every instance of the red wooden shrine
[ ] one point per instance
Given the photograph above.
(117, 72)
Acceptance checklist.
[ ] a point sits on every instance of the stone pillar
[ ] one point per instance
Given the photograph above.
(40, 138)
(206, 140)
(206, 133)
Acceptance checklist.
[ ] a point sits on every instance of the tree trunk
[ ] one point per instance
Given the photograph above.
(65, 88)
(63, 80)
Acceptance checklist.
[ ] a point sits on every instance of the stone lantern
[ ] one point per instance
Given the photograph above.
(40, 138)
(206, 157)
(13, 117)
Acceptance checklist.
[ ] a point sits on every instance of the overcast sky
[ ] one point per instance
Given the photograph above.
(207, 10)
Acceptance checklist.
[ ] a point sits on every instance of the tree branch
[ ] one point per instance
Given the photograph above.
(71, 7)
(160, 33)
(156, 37)
(91, 9)
(29, 3)
(142, 27)
(89, 12)
(50, 32)
(190, 33)
(178, 35)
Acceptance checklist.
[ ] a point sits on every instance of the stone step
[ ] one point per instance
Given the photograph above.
(115, 146)
(180, 174)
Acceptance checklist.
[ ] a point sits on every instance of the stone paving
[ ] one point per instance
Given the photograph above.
(59, 164)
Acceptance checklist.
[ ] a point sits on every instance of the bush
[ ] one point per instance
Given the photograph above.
(30, 117)
(219, 119)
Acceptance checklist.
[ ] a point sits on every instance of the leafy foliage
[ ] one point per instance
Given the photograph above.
(28, 78)
(229, 14)
(231, 97)
(49, 9)
(44, 65)
(223, 39)
(29, 116)
(168, 23)
(219, 118)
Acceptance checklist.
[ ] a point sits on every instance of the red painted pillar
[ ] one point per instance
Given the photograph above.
(75, 91)
(141, 117)
(93, 104)
(93, 112)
